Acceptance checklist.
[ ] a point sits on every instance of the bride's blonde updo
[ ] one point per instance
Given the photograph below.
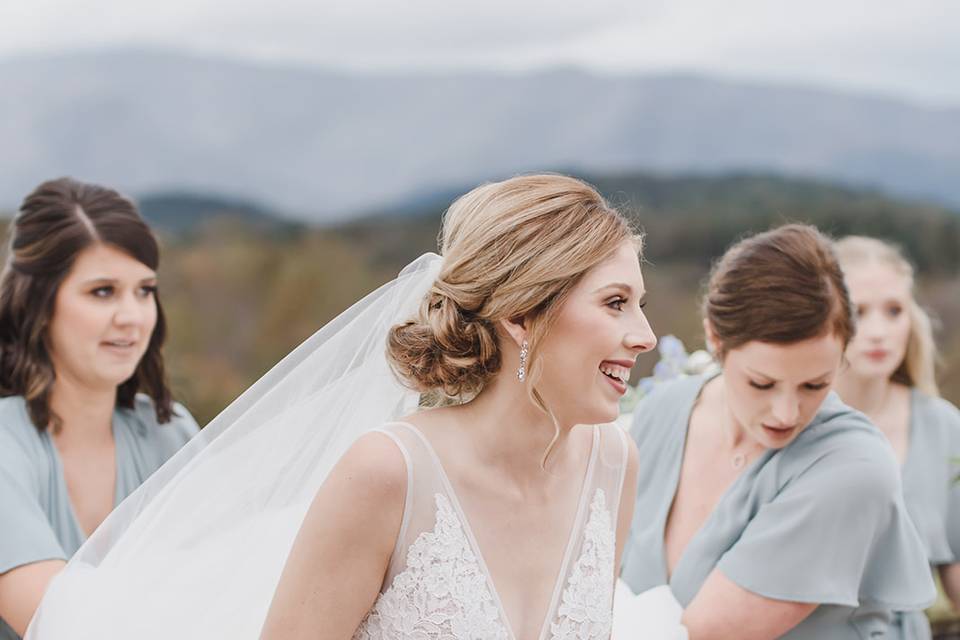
(511, 250)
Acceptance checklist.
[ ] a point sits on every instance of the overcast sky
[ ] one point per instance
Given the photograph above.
(906, 48)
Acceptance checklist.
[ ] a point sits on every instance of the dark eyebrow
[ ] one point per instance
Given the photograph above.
(888, 300)
(772, 379)
(102, 281)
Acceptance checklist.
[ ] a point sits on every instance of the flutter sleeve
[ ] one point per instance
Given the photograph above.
(158, 442)
(949, 417)
(26, 535)
(836, 533)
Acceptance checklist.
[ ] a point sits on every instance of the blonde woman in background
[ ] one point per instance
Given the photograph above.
(890, 377)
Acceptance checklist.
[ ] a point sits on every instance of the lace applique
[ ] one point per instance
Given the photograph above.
(586, 609)
(442, 592)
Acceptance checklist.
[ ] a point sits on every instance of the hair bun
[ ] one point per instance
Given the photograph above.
(444, 348)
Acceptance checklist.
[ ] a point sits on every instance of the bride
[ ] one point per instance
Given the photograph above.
(311, 509)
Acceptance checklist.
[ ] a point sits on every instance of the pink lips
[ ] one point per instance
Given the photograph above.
(877, 354)
(125, 347)
(620, 387)
(616, 384)
(779, 432)
(623, 363)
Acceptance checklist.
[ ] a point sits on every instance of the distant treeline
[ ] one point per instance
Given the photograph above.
(693, 219)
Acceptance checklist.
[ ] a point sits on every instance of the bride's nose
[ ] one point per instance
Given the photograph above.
(641, 337)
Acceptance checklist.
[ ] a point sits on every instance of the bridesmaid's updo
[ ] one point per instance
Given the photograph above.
(511, 249)
(781, 287)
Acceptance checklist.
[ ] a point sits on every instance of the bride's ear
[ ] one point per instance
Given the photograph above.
(514, 327)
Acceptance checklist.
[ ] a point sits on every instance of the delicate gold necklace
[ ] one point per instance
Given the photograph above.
(739, 460)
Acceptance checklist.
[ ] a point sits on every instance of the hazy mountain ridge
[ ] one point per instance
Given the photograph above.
(321, 144)
(183, 212)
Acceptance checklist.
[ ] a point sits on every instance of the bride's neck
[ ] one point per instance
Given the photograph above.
(508, 430)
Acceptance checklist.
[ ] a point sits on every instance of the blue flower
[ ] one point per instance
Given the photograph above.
(674, 362)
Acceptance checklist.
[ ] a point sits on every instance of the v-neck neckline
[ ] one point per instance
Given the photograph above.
(678, 470)
(61, 472)
(478, 552)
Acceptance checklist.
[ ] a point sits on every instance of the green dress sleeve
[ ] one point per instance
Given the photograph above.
(837, 532)
(26, 534)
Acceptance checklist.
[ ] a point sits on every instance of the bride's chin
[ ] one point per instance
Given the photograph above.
(600, 416)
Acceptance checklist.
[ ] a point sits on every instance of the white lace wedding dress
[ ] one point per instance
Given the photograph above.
(438, 585)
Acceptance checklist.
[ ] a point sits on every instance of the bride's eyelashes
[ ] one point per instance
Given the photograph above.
(620, 302)
(617, 303)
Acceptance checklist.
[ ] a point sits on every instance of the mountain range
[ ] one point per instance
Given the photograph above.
(321, 145)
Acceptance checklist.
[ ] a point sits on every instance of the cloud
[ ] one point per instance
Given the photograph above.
(902, 47)
(899, 47)
(309, 29)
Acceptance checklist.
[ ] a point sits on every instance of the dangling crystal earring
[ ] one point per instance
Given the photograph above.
(522, 371)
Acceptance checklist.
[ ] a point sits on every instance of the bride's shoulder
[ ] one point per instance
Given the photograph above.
(374, 466)
(358, 509)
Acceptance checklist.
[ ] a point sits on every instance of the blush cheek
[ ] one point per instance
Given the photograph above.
(903, 338)
(584, 326)
(68, 330)
(150, 317)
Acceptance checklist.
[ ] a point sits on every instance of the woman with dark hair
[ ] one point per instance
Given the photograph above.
(770, 508)
(86, 415)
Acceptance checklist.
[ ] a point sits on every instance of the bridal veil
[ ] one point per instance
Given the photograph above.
(198, 549)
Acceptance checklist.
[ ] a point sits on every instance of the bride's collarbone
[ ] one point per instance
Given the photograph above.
(492, 498)
(459, 454)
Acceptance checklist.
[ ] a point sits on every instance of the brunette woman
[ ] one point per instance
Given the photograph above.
(86, 414)
(770, 508)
